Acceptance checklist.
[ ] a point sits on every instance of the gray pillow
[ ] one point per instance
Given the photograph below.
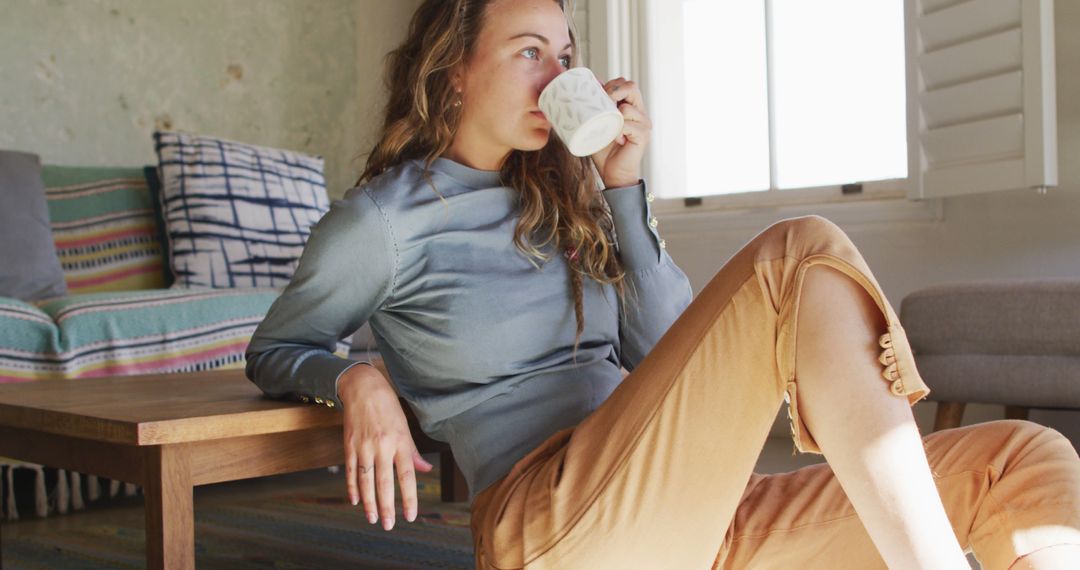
(29, 268)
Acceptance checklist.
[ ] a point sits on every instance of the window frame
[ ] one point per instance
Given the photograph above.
(617, 39)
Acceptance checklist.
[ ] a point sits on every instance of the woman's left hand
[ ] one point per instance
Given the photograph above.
(619, 163)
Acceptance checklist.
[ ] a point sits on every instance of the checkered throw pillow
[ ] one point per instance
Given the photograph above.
(236, 215)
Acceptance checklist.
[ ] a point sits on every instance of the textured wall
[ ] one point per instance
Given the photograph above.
(383, 25)
(87, 81)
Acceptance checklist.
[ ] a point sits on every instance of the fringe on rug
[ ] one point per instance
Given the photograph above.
(62, 493)
(94, 487)
(50, 490)
(12, 512)
(129, 488)
(41, 497)
(76, 489)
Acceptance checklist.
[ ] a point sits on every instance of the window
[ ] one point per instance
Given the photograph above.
(793, 103)
(789, 94)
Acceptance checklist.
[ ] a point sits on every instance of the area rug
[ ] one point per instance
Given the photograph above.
(306, 526)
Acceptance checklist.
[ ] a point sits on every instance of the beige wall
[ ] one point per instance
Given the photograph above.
(384, 24)
(87, 81)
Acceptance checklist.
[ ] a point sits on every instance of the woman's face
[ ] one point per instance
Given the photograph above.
(522, 46)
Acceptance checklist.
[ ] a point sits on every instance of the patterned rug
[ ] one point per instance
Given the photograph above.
(292, 525)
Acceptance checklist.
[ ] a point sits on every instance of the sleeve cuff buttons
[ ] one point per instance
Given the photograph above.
(329, 403)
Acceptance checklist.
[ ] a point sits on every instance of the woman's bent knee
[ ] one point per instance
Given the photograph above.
(808, 225)
(1040, 435)
(1026, 442)
(803, 236)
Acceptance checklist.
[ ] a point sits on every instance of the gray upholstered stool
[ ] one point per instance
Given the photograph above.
(1012, 342)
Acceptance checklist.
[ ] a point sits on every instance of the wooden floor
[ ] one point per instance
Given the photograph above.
(776, 457)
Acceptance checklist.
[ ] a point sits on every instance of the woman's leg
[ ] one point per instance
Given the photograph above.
(1011, 490)
(868, 436)
(652, 478)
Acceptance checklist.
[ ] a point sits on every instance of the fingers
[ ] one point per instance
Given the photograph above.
(632, 114)
(420, 463)
(374, 450)
(351, 485)
(636, 124)
(366, 476)
(384, 482)
(370, 477)
(621, 89)
(407, 483)
(359, 479)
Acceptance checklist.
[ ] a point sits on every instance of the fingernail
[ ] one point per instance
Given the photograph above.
(411, 515)
(371, 518)
(388, 523)
(354, 501)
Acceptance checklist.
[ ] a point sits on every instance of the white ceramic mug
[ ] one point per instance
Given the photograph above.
(583, 115)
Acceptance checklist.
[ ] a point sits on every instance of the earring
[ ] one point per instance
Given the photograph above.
(458, 102)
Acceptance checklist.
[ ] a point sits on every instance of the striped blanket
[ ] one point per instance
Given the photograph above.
(130, 332)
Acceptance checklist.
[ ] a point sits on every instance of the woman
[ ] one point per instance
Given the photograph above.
(506, 285)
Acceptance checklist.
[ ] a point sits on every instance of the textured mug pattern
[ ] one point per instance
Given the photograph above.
(573, 98)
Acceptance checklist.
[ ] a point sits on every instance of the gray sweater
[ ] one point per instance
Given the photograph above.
(475, 338)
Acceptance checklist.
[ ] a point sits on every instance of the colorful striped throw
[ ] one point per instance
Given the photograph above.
(236, 215)
(103, 228)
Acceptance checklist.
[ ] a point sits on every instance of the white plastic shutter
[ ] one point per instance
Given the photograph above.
(981, 104)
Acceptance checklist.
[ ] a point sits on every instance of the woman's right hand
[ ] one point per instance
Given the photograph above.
(377, 438)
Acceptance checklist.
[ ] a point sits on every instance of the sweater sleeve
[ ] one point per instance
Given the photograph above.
(657, 289)
(345, 273)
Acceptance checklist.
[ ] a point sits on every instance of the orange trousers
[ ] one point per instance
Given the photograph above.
(661, 474)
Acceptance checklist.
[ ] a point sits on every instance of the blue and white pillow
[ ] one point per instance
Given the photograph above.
(236, 215)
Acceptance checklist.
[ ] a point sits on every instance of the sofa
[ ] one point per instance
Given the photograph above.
(122, 312)
(1003, 341)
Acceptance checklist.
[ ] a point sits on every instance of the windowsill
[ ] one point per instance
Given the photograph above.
(884, 208)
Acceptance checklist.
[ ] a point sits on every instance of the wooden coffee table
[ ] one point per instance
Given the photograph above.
(168, 433)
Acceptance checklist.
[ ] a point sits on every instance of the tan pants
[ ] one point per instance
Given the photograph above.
(661, 474)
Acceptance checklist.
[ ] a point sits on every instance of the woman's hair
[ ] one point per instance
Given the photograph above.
(559, 201)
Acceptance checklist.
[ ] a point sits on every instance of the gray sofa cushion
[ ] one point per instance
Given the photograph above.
(29, 268)
(1013, 342)
(1015, 316)
(1011, 380)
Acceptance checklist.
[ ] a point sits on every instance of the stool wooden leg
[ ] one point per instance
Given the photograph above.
(949, 415)
(454, 487)
(1016, 413)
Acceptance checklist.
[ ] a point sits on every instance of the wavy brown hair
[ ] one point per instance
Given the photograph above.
(559, 202)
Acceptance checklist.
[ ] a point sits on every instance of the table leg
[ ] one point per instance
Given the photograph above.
(170, 521)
